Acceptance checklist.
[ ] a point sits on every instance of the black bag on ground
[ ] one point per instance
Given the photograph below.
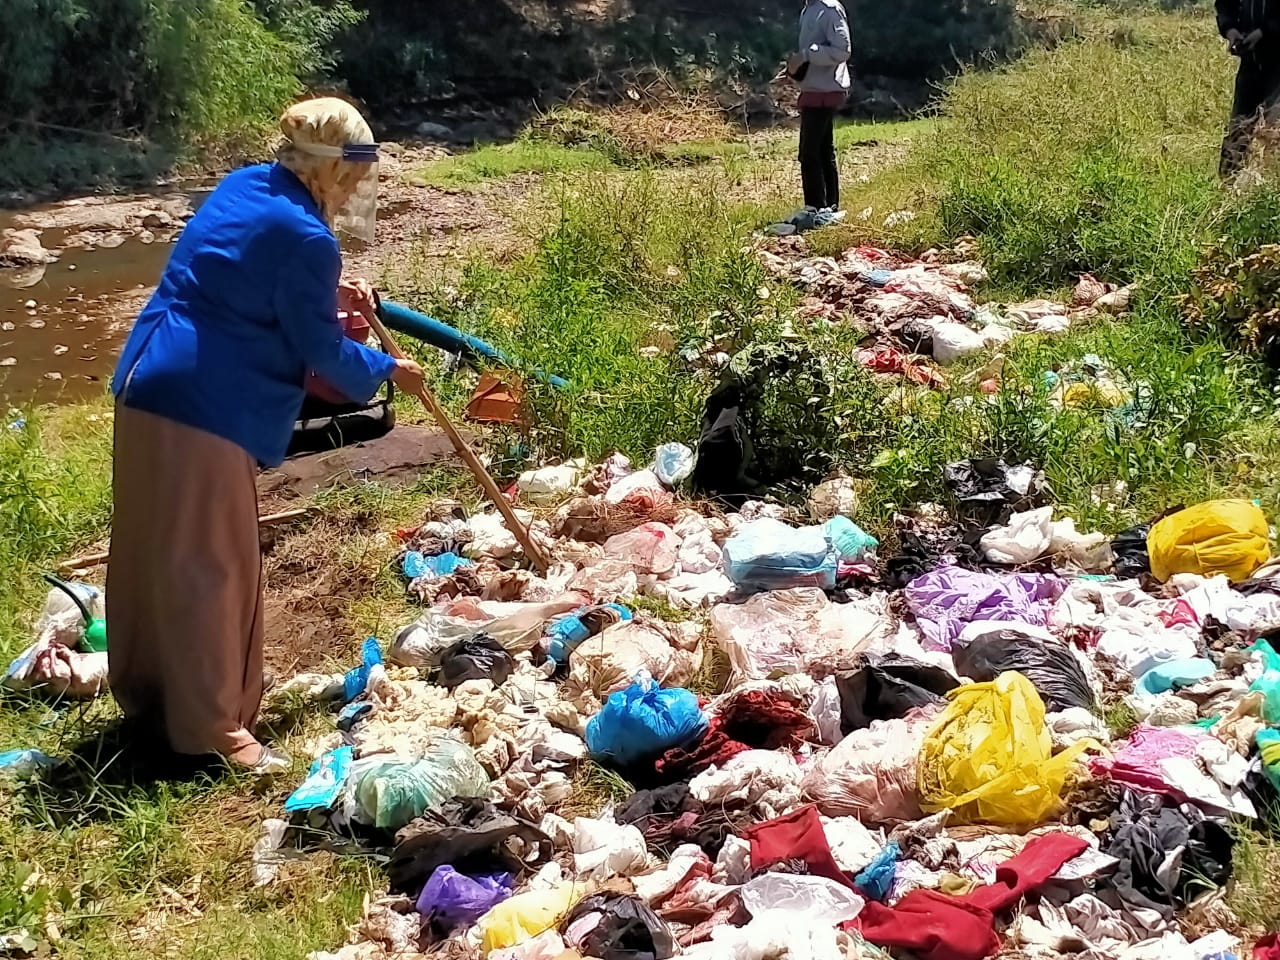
(628, 929)
(469, 835)
(475, 658)
(887, 688)
(988, 492)
(1051, 667)
(1129, 552)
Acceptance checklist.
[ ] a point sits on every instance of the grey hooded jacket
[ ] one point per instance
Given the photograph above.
(826, 44)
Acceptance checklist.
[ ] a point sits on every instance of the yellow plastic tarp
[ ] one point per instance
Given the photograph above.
(1222, 536)
(990, 758)
(523, 917)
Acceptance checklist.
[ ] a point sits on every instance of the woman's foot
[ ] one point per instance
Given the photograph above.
(259, 760)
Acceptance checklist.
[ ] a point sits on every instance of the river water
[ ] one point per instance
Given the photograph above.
(62, 325)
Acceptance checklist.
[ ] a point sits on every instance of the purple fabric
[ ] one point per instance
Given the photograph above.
(945, 600)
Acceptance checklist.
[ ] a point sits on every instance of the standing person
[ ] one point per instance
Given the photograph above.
(821, 67)
(207, 388)
(1252, 31)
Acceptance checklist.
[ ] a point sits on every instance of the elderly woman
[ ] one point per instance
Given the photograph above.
(207, 389)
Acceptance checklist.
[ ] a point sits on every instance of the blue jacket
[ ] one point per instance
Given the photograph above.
(246, 307)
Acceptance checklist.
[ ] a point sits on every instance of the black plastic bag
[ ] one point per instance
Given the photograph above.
(988, 492)
(469, 835)
(887, 688)
(1129, 550)
(628, 929)
(1051, 667)
(475, 658)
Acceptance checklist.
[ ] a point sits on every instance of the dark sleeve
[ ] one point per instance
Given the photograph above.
(306, 304)
(1228, 15)
(1271, 22)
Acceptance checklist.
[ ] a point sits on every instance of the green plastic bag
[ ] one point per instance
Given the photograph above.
(395, 792)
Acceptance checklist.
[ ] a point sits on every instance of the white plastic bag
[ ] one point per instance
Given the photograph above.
(951, 341)
(1026, 538)
(651, 548)
(603, 849)
(807, 900)
(1089, 551)
(550, 485)
(673, 463)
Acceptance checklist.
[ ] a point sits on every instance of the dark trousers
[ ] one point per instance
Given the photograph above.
(819, 171)
(1257, 87)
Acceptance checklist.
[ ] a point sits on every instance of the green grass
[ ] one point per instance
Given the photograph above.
(497, 162)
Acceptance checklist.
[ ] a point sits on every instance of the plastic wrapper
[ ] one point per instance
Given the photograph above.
(603, 849)
(870, 774)
(766, 554)
(643, 722)
(524, 917)
(651, 548)
(58, 671)
(987, 491)
(390, 793)
(876, 880)
(451, 901)
(324, 784)
(1052, 667)
(990, 757)
(550, 485)
(1227, 537)
(615, 926)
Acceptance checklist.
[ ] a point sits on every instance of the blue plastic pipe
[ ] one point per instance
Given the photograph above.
(429, 330)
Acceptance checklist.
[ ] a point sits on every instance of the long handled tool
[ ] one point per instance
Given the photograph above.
(536, 557)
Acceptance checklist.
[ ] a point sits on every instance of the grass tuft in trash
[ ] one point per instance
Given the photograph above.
(1255, 880)
(594, 788)
(1121, 720)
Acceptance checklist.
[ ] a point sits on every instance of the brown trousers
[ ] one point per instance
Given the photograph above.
(184, 585)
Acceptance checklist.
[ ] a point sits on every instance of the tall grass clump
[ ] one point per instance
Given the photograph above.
(626, 263)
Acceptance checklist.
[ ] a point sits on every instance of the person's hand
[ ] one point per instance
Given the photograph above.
(795, 62)
(1234, 36)
(356, 296)
(1253, 38)
(408, 376)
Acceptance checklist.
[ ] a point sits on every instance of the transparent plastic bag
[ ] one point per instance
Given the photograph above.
(990, 757)
(390, 793)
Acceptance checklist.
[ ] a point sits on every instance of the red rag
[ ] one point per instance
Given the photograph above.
(934, 926)
(796, 836)
(1266, 948)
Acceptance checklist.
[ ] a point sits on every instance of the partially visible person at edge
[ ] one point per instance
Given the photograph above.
(207, 389)
(821, 67)
(1252, 31)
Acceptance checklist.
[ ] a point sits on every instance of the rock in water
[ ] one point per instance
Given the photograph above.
(22, 248)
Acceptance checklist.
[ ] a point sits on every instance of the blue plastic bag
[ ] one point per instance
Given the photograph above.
(852, 543)
(417, 565)
(877, 879)
(767, 554)
(324, 783)
(644, 721)
(565, 634)
(455, 901)
(357, 678)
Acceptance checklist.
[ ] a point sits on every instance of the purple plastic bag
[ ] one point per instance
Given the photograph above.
(454, 901)
(945, 600)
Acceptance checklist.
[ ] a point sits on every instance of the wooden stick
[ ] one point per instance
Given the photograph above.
(77, 564)
(491, 489)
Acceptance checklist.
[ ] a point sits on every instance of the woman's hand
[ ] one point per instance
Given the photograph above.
(357, 296)
(408, 377)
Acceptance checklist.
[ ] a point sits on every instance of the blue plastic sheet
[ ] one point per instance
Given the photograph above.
(643, 722)
(417, 565)
(324, 783)
(357, 678)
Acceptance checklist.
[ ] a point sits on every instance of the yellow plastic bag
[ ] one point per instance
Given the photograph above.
(990, 758)
(524, 916)
(1221, 536)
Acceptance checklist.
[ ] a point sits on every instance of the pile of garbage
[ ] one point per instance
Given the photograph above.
(829, 749)
(921, 314)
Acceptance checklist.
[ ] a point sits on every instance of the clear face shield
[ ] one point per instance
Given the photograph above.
(358, 216)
